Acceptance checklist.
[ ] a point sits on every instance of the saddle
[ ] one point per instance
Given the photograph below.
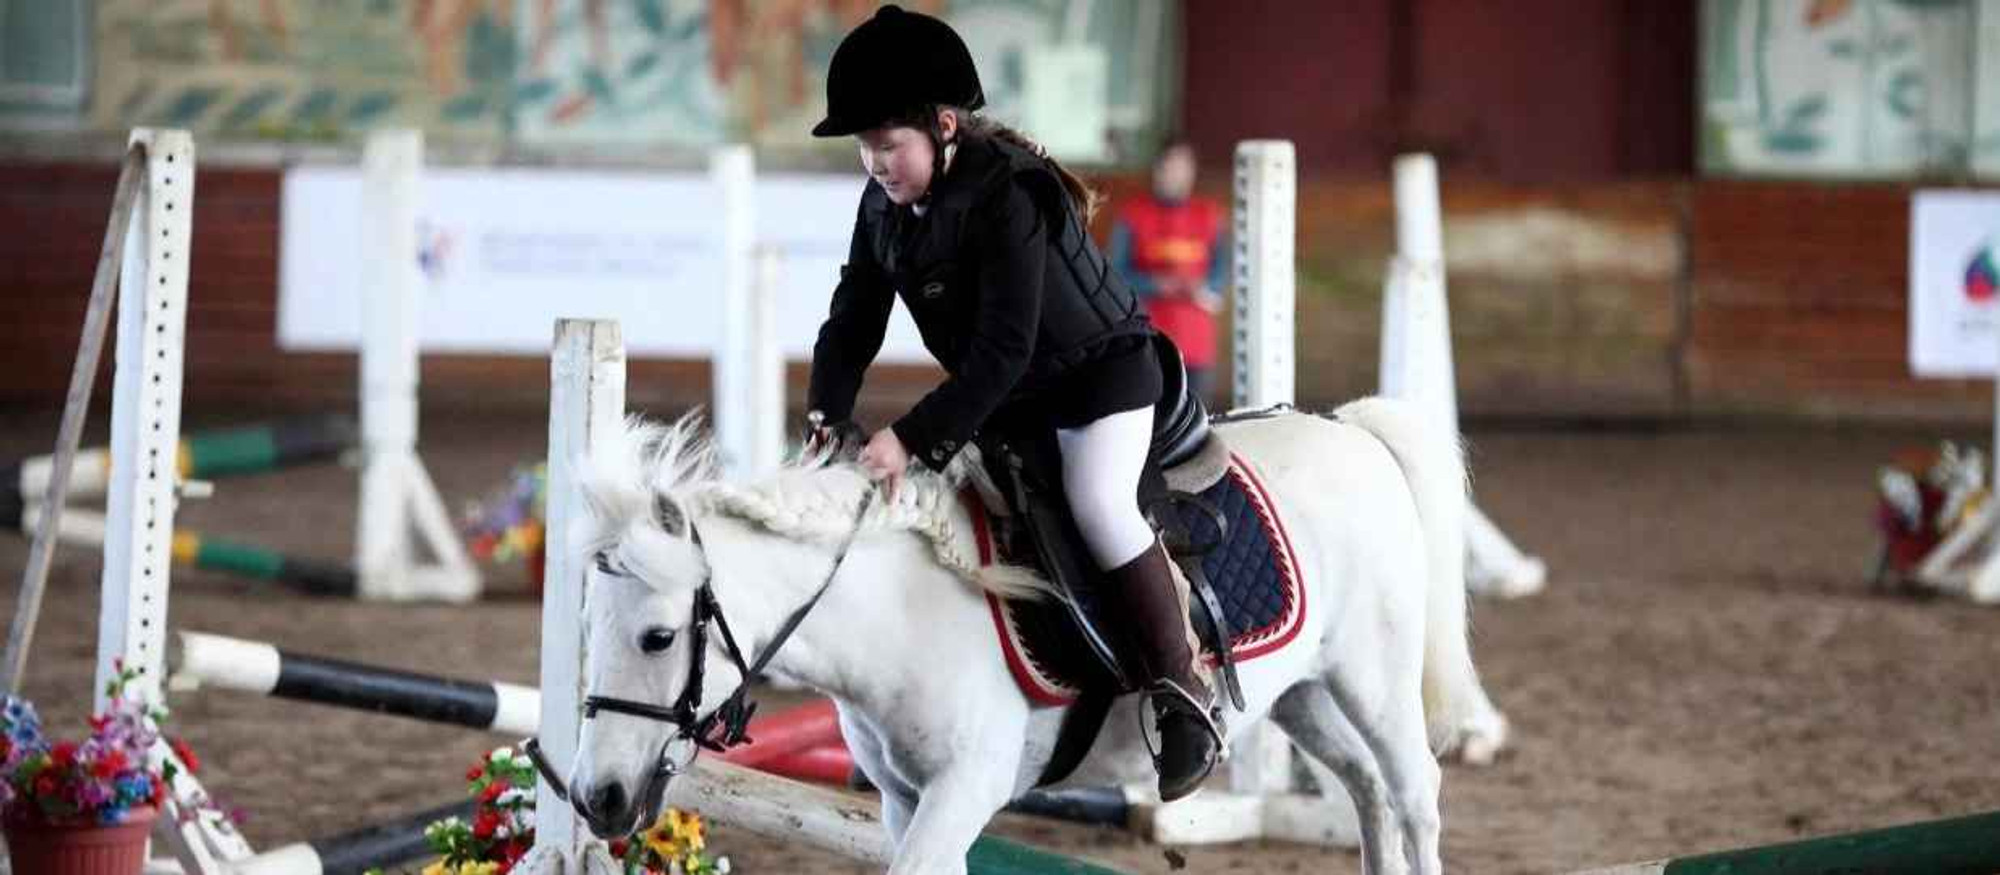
(1213, 516)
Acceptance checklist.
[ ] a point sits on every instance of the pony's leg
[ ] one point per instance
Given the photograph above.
(899, 799)
(952, 809)
(1312, 719)
(1401, 747)
(899, 807)
(1415, 780)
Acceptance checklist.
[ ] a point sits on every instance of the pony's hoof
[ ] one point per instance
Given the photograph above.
(1480, 740)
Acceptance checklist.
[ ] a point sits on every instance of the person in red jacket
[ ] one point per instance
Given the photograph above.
(1169, 246)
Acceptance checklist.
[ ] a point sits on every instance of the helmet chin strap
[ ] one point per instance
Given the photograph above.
(943, 151)
(938, 169)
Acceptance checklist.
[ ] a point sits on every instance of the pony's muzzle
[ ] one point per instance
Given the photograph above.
(588, 804)
(609, 803)
(607, 808)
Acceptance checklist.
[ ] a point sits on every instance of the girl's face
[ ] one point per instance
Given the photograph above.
(900, 159)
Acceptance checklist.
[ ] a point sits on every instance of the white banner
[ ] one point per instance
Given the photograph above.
(505, 252)
(1954, 280)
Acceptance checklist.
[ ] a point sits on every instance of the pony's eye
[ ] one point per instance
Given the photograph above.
(654, 641)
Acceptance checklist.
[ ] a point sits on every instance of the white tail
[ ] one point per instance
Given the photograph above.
(1461, 719)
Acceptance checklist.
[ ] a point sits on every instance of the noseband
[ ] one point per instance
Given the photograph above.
(727, 726)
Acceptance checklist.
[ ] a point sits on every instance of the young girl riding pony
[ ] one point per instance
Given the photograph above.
(985, 240)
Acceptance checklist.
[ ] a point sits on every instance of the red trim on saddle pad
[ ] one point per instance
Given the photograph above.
(1043, 688)
(1010, 646)
(1261, 641)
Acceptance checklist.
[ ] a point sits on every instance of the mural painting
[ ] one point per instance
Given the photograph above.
(617, 73)
(1867, 88)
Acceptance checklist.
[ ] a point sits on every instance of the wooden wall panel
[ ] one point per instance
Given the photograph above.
(1526, 90)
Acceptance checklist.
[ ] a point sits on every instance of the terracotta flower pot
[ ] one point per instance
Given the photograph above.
(38, 846)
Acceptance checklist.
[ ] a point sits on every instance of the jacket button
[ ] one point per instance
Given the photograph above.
(933, 289)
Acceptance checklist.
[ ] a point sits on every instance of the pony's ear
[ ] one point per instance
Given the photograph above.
(668, 514)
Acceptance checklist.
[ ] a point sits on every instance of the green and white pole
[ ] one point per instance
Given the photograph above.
(248, 450)
(1967, 845)
(190, 549)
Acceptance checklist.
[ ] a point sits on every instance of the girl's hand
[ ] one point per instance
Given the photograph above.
(839, 439)
(885, 458)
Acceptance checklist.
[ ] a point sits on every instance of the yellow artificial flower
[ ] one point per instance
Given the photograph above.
(474, 868)
(663, 845)
(688, 827)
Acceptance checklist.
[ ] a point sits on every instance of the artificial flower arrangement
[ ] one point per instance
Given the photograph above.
(508, 525)
(503, 829)
(1925, 495)
(110, 776)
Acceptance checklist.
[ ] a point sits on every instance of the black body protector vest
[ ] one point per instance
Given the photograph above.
(1087, 308)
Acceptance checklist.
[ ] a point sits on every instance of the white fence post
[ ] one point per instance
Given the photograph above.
(398, 499)
(1265, 231)
(767, 371)
(740, 399)
(146, 418)
(586, 405)
(1416, 325)
(142, 494)
(1416, 362)
(1265, 228)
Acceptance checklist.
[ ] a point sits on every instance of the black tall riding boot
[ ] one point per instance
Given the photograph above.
(1154, 602)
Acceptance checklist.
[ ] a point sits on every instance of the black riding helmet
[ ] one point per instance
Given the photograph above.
(893, 63)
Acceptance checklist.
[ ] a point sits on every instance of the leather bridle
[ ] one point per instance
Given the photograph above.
(725, 727)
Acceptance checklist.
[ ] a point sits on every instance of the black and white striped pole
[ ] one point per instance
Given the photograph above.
(356, 852)
(200, 659)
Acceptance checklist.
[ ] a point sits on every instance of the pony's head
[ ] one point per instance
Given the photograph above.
(645, 568)
(649, 492)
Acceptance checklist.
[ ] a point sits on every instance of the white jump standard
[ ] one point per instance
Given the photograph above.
(401, 512)
(143, 489)
(1417, 363)
(142, 494)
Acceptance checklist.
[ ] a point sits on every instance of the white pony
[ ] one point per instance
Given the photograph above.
(904, 643)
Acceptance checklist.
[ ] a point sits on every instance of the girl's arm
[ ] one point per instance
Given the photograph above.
(1011, 249)
(853, 331)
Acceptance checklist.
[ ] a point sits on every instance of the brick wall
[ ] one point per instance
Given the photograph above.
(52, 222)
(1613, 300)
(1799, 303)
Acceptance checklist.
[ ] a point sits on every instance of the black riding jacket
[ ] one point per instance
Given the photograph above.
(1007, 290)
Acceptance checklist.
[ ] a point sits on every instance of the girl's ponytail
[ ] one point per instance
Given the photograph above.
(1085, 198)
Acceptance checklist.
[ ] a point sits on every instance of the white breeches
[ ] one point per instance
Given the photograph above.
(1101, 466)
